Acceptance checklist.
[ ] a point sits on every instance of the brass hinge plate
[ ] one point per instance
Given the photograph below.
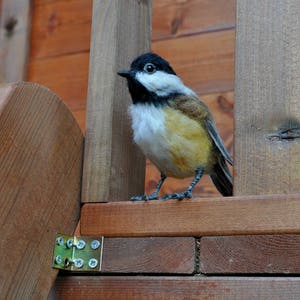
(78, 253)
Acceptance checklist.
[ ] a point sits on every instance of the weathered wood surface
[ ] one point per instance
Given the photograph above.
(267, 115)
(177, 288)
(269, 214)
(250, 254)
(40, 170)
(149, 255)
(114, 169)
(15, 21)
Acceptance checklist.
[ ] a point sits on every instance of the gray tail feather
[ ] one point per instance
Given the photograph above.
(222, 178)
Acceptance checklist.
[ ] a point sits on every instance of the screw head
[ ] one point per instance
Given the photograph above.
(93, 262)
(69, 243)
(58, 259)
(80, 244)
(78, 263)
(95, 244)
(60, 241)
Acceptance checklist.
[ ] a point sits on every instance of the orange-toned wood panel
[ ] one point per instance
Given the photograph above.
(66, 75)
(176, 18)
(176, 288)
(62, 27)
(205, 62)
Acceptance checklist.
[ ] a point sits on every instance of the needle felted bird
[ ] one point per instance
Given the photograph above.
(173, 128)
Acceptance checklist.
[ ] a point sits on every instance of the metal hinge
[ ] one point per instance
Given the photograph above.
(78, 253)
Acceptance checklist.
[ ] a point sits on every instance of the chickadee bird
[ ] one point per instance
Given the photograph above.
(173, 128)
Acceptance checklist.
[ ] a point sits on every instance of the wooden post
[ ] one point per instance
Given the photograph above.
(267, 91)
(267, 128)
(14, 39)
(113, 167)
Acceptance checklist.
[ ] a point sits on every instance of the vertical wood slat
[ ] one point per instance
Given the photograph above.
(267, 126)
(267, 95)
(114, 169)
(15, 21)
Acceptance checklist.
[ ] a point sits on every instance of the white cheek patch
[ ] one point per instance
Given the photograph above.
(163, 84)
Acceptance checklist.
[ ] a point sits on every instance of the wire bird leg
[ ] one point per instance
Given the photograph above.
(188, 192)
(154, 195)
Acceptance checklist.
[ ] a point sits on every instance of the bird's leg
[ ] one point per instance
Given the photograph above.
(188, 192)
(154, 195)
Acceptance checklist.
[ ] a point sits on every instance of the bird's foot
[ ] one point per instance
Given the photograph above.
(144, 197)
(179, 196)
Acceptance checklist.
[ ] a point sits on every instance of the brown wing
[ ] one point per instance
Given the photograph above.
(197, 110)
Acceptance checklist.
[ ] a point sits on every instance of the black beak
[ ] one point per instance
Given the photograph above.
(125, 73)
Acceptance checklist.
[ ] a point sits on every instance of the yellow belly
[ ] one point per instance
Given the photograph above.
(189, 144)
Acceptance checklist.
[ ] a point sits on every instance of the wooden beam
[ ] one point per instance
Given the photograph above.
(273, 254)
(149, 255)
(212, 216)
(114, 169)
(267, 118)
(41, 154)
(15, 24)
(176, 288)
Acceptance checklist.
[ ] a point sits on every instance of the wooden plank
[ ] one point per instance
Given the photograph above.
(205, 62)
(40, 173)
(221, 104)
(177, 288)
(15, 24)
(114, 169)
(268, 214)
(65, 75)
(61, 28)
(267, 103)
(149, 255)
(172, 19)
(250, 254)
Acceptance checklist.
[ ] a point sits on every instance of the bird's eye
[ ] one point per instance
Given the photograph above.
(149, 68)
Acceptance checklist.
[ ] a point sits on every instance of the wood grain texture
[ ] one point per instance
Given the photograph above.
(40, 173)
(250, 254)
(61, 28)
(268, 214)
(204, 62)
(114, 169)
(267, 97)
(149, 255)
(176, 288)
(66, 75)
(15, 21)
(172, 19)
(221, 104)
(267, 118)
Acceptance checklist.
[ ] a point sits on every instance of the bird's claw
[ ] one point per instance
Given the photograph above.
(144, 197)
(179, 196)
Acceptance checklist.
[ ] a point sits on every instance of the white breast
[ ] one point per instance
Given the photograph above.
(148, 124)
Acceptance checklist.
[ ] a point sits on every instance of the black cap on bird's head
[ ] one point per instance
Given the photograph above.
(149, 63)
(150, 79)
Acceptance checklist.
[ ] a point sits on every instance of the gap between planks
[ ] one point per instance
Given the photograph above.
(267, 214)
